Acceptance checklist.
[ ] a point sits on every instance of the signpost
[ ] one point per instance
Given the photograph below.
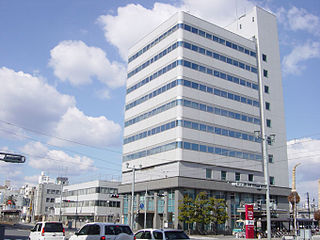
(249, 221)
(13, 158)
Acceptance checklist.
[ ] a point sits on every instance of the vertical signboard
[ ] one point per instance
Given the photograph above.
(249, 221)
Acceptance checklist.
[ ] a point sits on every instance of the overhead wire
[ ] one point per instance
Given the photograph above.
(162, 159)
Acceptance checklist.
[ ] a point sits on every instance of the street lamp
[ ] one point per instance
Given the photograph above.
(132, 191)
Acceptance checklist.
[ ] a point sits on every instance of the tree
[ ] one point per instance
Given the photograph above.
(186, 210)
(203, 210)
(218, 211)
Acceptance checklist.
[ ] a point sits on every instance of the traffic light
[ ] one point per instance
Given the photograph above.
(115, 195)
(13, 158)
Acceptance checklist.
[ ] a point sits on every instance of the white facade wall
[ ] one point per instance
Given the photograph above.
(80, 195)
(45, 199)
(263, 26)
(187, 163)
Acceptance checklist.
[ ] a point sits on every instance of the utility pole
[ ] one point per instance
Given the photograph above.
(145, 209)
(264, 139)
(132, 190)
(75, 224)
(60, 201)
(308, 202)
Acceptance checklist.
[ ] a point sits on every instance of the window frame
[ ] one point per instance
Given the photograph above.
(237, 175)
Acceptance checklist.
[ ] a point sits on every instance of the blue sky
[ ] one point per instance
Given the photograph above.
(62, 76)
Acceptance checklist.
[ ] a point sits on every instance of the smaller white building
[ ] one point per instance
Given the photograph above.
(90, 201)
(46, 193)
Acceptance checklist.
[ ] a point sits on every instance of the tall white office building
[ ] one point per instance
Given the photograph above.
(192, 107)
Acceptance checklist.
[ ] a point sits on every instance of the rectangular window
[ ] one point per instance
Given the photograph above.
(266, 89)
(271, 180)
(268, 122)
(250, 177)
(208, 173)
(223, 175)
(267, 106)
(237, 176)
(265, 73)
(270, 157)
(264, 57)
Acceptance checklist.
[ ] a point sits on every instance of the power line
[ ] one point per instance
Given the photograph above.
(65, 149)
(60, 138)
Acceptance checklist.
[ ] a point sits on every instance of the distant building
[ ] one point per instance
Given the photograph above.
(90, 201)
(46, 193)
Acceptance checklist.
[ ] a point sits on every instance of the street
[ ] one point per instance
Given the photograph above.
(21, 232)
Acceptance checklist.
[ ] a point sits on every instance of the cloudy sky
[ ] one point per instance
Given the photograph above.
(63, 73)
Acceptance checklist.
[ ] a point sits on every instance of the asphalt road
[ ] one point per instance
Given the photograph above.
(16, 232)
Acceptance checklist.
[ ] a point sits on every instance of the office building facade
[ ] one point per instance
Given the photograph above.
(192, 107)
(94, 201)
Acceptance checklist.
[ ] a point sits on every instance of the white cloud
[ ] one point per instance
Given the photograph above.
(29, 101)
(117, 28)
(305, 151)
(297, 19)
(31, 180)
(103, 94)
(95, 131)
(293, 62)
(42, 158)
(78, 63)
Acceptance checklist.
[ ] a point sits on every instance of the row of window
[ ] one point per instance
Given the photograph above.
(193, 147)
(223, 175)
(91, 190)
(197, 67)
(53, 191)
(220, 93)
(195, 105)
(154, 42)
(193, 85)
(215, 73)
(90, 203)
(196, 49)
(50, 200)
(219, 57)
(152, 151)
(154, 59)
(195, 126)
(218, 39)
(153, 76)
(237, 176)
(195, 31)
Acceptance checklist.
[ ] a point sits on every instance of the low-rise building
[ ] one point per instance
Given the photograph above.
(46, 193)
(90, 201)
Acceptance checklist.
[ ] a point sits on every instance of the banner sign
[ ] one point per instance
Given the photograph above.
(249, 221)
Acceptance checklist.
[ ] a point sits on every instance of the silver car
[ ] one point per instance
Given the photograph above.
(161, 234)
(103, 231)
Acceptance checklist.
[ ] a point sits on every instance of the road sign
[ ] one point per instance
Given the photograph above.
(141, 205)
(249, 221)
(13, 158)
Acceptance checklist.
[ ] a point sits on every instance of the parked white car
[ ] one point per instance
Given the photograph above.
(47, 231)
(103, 231)
(161, 234)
